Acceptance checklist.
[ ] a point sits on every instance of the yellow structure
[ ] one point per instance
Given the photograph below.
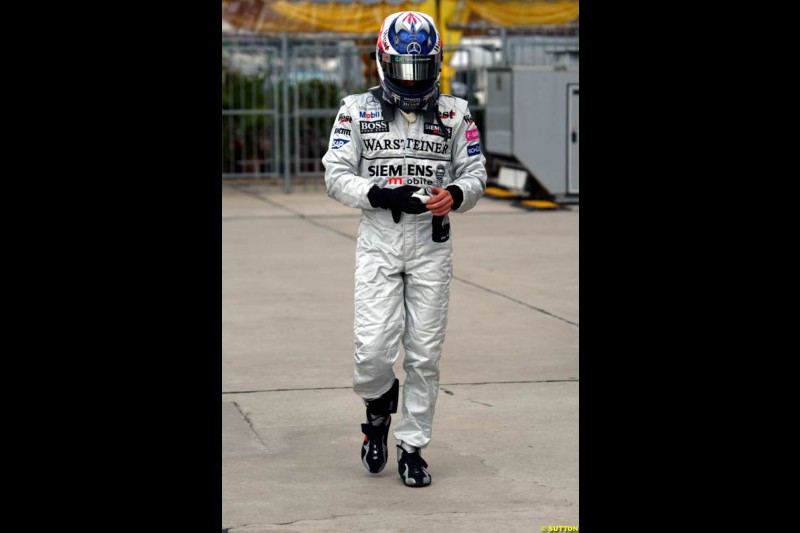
(282, 16)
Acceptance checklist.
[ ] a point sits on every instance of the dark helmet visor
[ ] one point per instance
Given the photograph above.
(410, 67)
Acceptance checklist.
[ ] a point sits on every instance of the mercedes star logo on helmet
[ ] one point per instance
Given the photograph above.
(414, 48)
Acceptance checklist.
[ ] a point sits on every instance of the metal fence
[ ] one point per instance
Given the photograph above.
(251, 131)
(280, 97)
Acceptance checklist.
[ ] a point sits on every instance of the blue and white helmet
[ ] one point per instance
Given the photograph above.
(409, 58)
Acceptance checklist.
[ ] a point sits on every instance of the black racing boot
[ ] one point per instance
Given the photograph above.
(412, 466)
(374, 452)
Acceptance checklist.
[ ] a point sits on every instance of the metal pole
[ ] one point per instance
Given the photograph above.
(287, 180)
(296, 98)
(254, 99)
(232, 105)
(504, 45)
(276, 134)
(242, 122)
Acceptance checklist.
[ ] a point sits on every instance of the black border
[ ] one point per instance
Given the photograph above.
(140, 444)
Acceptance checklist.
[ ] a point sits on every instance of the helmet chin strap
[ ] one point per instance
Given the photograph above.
(430, 104)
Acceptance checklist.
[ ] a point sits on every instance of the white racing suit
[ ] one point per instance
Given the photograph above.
(402, 277)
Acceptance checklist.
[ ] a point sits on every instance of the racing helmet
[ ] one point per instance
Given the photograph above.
(409, 59)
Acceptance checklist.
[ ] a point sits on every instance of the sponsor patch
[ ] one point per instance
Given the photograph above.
(435, 129)
(473, 149)
(338, 143)
(369, 114)
(472, 135)
(410, 101)
(408, 181)
(414, 173)
(448, 114)
(346, 131)
(345, 118)
(410, 144)
(439, 175)
(378, 126)
(468, 119)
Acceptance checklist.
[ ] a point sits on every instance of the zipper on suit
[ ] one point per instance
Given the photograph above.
(409, 248)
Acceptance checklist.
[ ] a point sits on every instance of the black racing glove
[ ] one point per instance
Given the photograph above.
(398, 200)
(457, 194)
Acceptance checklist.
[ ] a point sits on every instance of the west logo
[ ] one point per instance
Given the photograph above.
(338, 143)
(448, 114)
(435, 129)
(379, 126)
(468, 119)
(342, 131)
(368, 114)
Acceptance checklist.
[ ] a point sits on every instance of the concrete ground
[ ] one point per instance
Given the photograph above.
(504, 451)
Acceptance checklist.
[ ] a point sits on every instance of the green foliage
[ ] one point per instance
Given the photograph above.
(251, 137)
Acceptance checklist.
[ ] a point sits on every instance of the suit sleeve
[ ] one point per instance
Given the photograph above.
(341, 162)
(469, 164)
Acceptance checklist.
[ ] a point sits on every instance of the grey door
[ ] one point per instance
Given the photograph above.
(499, 121)
(573, 171)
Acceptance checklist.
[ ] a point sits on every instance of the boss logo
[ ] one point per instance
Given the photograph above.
(435, 129)
(379, 126)
(338, 143)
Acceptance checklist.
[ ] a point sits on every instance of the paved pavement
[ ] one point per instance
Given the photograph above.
(504, 451)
